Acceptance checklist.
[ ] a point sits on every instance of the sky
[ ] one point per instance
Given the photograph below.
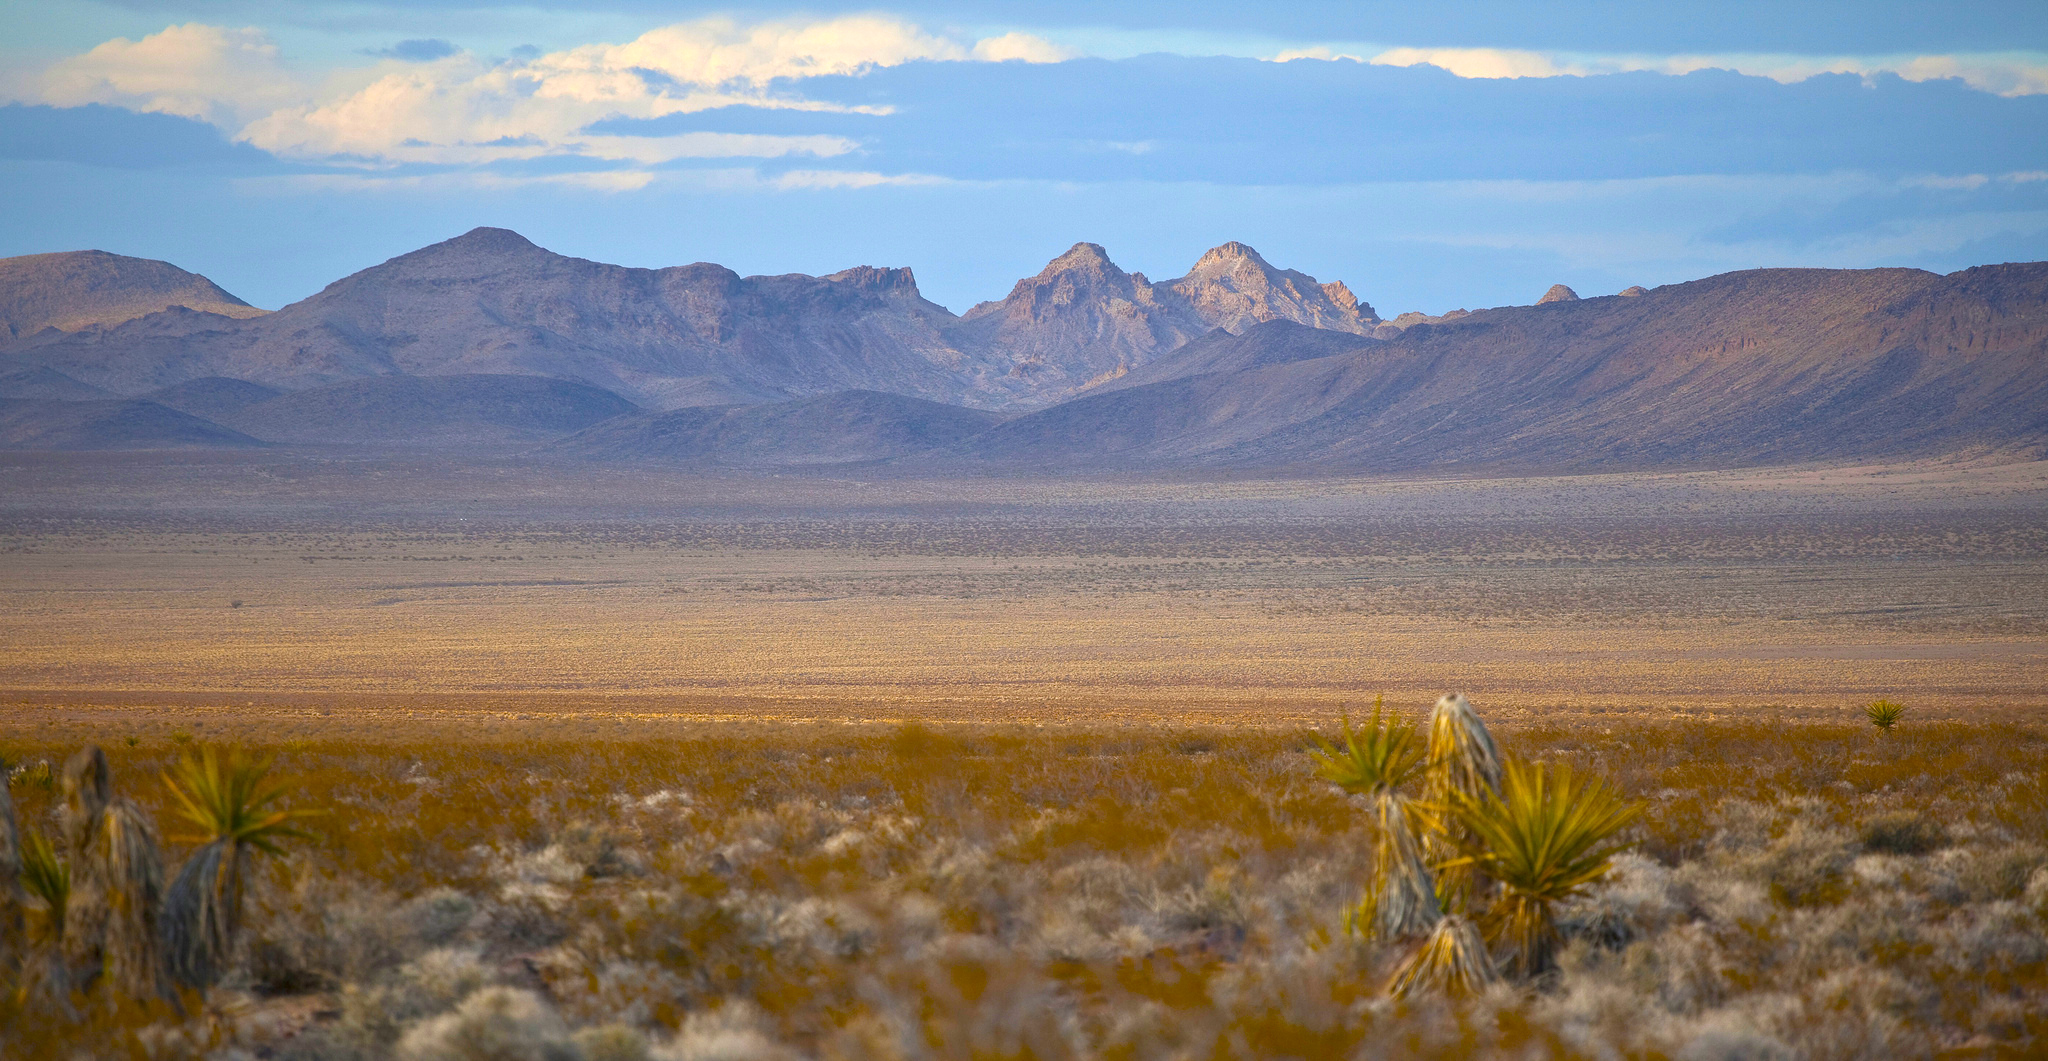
(1431, 156)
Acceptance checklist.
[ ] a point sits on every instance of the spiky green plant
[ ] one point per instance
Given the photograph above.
(1543, 838)
(1884, 714)
(1462, 761)
(111, 919)
(1453, 959)
(1383, 758)
(46, 877)
(1400, 897)
(233, 804)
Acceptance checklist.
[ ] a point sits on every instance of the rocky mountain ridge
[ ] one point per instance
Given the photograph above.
(487, 343)
(490, 302)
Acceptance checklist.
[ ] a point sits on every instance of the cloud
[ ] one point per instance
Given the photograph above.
(320, 183)
(1021, 47)
(218, 75)
(416, 51)
(820, 179)
(2000, 73)
(429, 103)
(1476, 62)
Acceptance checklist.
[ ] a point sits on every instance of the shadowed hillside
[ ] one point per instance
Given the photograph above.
(833, 429)
(1760, 366)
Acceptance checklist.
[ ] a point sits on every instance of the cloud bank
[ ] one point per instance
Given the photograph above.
(428, 102)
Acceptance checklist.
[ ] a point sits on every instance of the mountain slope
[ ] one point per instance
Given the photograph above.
(100, 425)
(1752, 367)
(79, 289)
(1272, 342)
(846, 427)
(489, 302)
(447, 410)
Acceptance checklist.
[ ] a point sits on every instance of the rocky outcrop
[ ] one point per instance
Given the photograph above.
(1079, 320)
(1558, 293)
(1232, 287)
(1083, 322)
(1631, 292)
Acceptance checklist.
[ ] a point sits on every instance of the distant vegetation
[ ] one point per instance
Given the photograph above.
(1761, 890)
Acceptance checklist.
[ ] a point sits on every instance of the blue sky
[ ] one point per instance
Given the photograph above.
(1431, 156)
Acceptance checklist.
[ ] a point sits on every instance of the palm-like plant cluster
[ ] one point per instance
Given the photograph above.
(1884, 714)
(105, 916)
(1479, 864)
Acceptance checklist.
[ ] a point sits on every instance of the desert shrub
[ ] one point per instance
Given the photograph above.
(1904, 833)
(495, 1024)
(1808, 866)
(806, 890)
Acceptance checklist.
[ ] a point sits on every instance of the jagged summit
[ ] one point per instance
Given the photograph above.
(1080, 255)
(879, 279)
(1232, 286)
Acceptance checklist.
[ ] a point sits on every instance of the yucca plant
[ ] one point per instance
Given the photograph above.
(1400, 898)
(46, 877)
(1543, 838)
(13, 920)
(1453, 959)
(116, 883)
(1462, 762)
(1884, 714)
(232, 803)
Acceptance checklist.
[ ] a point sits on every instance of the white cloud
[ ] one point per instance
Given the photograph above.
(821, 179)
(218, 75)
(1021, 47)
(1476, 62)
(460, 109)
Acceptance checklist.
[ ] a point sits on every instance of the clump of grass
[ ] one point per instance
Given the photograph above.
(232, 802)
(1884, 714)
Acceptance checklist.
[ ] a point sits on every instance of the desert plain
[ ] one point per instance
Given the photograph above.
(232, 590)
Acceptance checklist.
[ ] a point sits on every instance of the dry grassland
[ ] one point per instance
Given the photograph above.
(642, 765)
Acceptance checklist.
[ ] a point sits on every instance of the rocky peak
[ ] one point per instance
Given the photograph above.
(1089, 257)
(1341, 297)
(880, 280)
(1233, 287)
(1081, 277)
(1633, 291)
(1558, 293)
(485, 240)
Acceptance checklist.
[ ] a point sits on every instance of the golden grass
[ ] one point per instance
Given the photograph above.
(990, 835)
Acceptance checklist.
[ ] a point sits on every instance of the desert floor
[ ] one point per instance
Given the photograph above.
(318, 595)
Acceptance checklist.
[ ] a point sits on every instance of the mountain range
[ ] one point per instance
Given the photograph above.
(489, 343)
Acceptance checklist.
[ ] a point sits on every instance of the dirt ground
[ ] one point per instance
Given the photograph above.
(172, 592)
